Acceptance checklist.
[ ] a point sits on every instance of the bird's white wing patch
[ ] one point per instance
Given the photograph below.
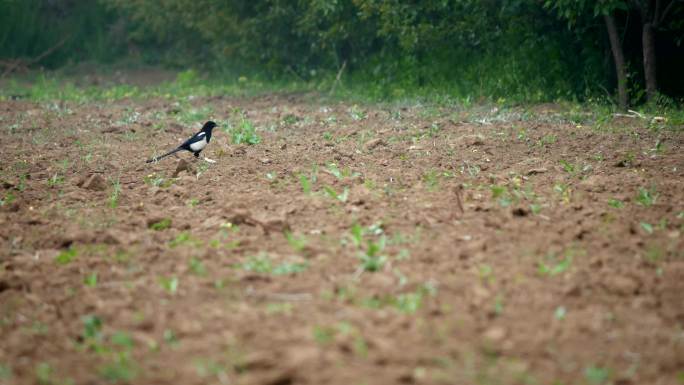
(201, 134)
(198, 145)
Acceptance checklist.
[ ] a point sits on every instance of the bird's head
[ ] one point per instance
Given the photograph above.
(208, 126)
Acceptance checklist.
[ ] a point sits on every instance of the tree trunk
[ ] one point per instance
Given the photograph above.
(619, 58)
(648, 42)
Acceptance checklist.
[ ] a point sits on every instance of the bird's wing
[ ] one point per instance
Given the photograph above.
(194, 139)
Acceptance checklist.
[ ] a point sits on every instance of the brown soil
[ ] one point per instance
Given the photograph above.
(503, 261)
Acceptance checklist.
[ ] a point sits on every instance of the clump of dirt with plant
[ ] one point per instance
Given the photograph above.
(338, 243)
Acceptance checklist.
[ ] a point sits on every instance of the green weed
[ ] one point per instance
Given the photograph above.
(66, 256)
(55, 180)
(342, 197)
(244, 132)
(568, 167)
(44, 373)
(5, 372)
(597, 375)
(90, 279)
(547, 140)
(616, 203)
(160, 225)
(552, 266)
(372, 259)
(170, 284)
(560, 313)
(646, 197)
(564, 191)
(184, 238)
(197, 266)
(157, 181)
(263, 264)
(305, 183)
(297, 243)
(114, 195)
(9, 198)
(647, 227)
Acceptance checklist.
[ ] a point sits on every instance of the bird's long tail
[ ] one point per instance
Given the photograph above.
(156, 159)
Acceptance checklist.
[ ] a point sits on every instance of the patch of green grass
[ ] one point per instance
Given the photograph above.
(547, 140)
(305, 183)
(121, 368)
(212, 369)
(564, 191)
(170, 284)
(184, 238)
(616, 203)
(170, 337)
(157, 181)
(114, 195)
(372, 259)
(55, 180)
(90, 280)
(647, 227)
(502, 195)
(486, 273)
(44, 373)
(244, 132)
(279, 308)
(431, 180)
(66, 256)
(9, 198)
(568, 167)
(646, 197)
(264, 265)
(597, 375)
(5, 372)
(160, 225)
(552, 266)
(560, 313)
(297, 243)
(197, 266)
(342, 197)
(356, 113)
(92, 327)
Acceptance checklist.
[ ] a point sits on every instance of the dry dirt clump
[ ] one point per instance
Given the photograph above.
(350, 245)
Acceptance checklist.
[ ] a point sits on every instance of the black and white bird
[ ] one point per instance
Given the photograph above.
(195, 144)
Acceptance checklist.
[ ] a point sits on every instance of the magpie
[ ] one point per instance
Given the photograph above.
(195, 144)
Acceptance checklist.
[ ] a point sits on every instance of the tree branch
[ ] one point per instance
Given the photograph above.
(666, 11)
(656, 15)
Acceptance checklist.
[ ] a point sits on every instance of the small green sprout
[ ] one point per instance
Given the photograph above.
(597, 375)
(342, 197)
(162, 224)
(646, 198)
(114, 196)
(616, 203)
(197, 266)
(305, 183)
(297, 243)
(648, 228)
(244, 132)
(560, 313)
(66, 256)
(90, 279)
(551, 268)
(169, 284)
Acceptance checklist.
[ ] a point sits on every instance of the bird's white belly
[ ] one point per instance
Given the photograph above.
(197, 146)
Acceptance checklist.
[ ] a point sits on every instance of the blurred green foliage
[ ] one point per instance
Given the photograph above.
(71, 30)
(508, 49)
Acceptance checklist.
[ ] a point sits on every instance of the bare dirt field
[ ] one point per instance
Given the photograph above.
(353, 244)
